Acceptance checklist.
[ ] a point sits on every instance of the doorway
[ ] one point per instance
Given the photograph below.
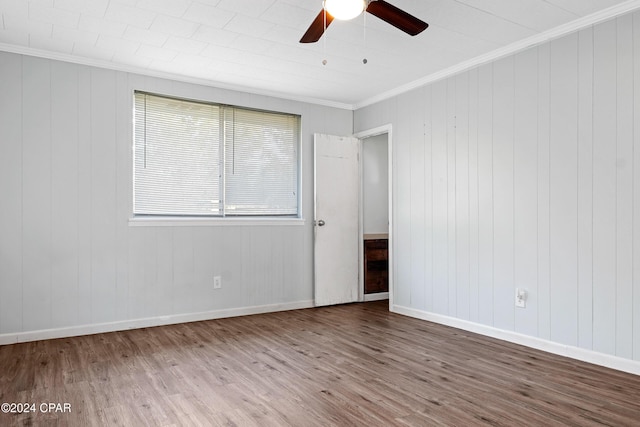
(338, 278)
(375, 215)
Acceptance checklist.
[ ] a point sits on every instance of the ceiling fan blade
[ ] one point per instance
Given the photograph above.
(397, 17)
(317, 27)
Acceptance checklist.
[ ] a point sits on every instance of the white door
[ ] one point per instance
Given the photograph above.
(337, 197)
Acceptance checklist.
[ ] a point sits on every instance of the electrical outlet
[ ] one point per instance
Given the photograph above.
(217, 282)
(521, 298)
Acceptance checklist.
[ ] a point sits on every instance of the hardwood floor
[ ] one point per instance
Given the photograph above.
(345, 365)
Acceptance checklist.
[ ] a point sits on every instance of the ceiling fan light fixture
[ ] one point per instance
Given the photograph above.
(344, 9)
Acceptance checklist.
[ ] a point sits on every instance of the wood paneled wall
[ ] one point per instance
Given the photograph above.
(525, 172)
(68, 256)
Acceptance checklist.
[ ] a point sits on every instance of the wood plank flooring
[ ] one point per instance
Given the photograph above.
(350, 365)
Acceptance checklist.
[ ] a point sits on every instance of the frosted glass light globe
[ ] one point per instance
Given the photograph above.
(344, 9)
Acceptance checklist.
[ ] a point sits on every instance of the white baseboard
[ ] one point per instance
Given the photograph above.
(590, 356)
(601, 359)
(376, 297)
(98, 328)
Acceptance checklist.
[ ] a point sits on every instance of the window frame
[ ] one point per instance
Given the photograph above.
(223, 218)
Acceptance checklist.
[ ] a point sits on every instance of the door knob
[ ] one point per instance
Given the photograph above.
(320, 223)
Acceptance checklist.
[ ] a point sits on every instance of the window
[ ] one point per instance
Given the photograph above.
(199, 159)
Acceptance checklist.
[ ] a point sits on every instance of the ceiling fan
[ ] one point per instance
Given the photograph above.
(345, 10)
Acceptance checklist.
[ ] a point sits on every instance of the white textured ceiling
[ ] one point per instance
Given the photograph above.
(253, 44)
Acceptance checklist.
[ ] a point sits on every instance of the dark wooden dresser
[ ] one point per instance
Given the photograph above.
(376, 266)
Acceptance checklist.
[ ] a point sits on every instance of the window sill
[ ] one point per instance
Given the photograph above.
(208, 222)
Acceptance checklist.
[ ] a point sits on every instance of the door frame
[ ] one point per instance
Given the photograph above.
(380, 130)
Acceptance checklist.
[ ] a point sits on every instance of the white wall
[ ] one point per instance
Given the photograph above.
(375, 184)
(525, 172)
(69, 257)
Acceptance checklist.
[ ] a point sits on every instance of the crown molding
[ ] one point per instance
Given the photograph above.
(546, 36)
(98, 63)
(538, 39)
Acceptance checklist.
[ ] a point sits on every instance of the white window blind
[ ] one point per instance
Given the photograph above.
(260, 176)
(199, 159)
